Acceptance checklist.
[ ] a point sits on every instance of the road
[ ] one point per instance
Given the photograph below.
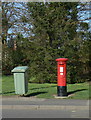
(44, 108)
(45, 113)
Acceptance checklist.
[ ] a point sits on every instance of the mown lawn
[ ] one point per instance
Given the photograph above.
(77, 91)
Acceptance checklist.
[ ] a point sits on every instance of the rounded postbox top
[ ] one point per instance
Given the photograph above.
(62, 59)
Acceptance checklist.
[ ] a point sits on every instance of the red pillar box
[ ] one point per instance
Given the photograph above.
(61, 77)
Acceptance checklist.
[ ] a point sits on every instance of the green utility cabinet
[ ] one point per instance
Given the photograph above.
(20, 79)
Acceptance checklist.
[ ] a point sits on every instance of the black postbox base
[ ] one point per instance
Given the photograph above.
(62, 90)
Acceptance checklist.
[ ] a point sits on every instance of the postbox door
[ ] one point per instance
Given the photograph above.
(61, 74)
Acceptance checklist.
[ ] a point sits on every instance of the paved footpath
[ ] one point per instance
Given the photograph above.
(37, 103)
(28, 106)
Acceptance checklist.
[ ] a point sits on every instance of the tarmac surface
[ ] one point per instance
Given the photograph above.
(37, 103)
(43, 108)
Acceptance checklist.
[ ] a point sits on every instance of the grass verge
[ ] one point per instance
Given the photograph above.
(46, 90)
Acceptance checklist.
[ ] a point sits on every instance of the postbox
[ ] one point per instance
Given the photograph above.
(61, 76)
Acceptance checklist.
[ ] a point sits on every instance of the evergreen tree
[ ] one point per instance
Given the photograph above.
(54, 29)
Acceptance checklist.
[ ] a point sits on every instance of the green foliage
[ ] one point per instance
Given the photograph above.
(12, 57)
(7, 63)
(55, 33)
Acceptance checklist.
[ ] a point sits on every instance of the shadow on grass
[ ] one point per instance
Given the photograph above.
(7, 92)
(34, 94)
(72, 92)
(42, 87)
